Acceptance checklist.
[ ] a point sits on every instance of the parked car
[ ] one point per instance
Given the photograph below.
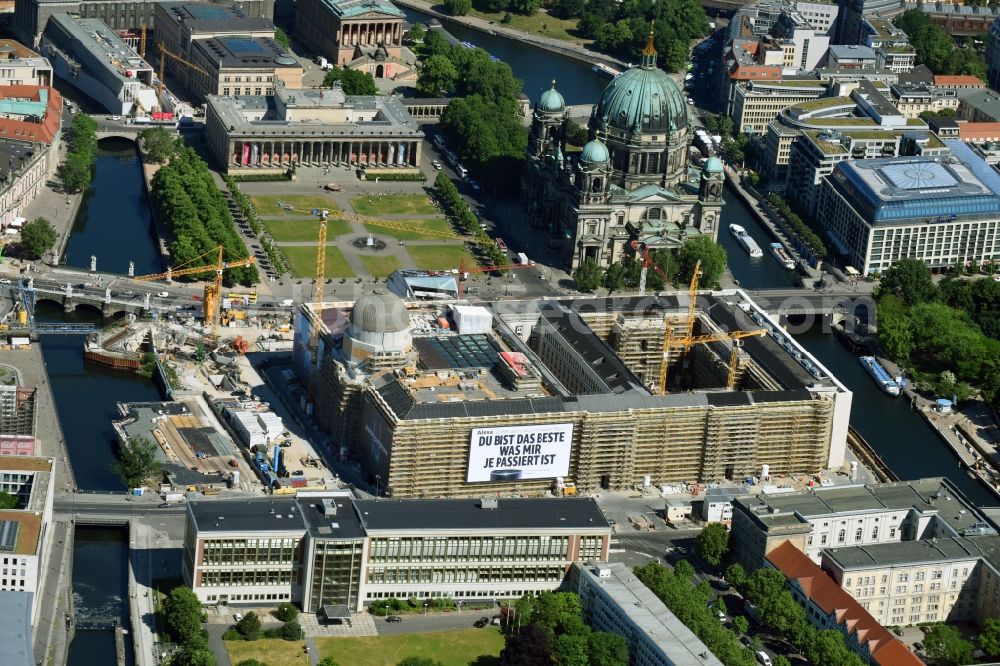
(763, 658)
(481, 622)
(393, 618)
(437, 165)
(165, 505)
(897, 631)
(237, 616)
(918, 646)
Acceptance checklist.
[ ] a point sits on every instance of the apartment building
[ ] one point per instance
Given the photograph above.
(617, 602)
(828, 606)
(851, 57)
(912, 99)
(20, 65)
(326, 548)
(942, 210)
(862, 515)
(891, 45)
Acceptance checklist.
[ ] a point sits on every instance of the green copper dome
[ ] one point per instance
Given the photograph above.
(713, 165)
(551, 101)
(643, 99)
(595, 152)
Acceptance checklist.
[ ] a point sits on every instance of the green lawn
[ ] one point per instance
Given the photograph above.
(540, 23)
(302, 261)
(271, 651)
(380, 265)
(460, 647)
(439, 257)
(431, 224)
(304, 230)
(267, 204)
(394, 204)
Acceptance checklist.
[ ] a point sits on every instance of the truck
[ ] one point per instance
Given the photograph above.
(522, 259)
(321, 61)
(173, 497)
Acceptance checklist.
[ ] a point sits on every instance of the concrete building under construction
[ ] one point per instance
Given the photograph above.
(522, 397)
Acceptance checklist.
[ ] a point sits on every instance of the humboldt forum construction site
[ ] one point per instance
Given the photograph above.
(527, 397)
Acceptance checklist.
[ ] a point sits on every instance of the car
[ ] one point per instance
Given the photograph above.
(918, 646)
(724, 584)
(897, 631)
(4, 281)
(129, 292)
(165, 505)
(481, 622)
(116, 118)
(721, 615)
(237, 616)
(763, 658)
(393, 618)
(437, 165)
(163, 294)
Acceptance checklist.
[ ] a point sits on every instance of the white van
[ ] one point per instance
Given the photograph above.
(763, 659)
(461, 171)
(287, 303)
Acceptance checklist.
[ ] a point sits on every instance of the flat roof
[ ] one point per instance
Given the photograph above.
(349, 8)
(273, 514)
(25, 464)
(16, 646)
(924, 551)
(29, 528)
(661, 630)
(330, 517)
(446, 515)
(851, 52)
(235, 51)
(203, 17)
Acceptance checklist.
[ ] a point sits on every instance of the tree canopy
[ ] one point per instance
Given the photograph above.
(936, 48)
(37, 238)
(182, 611)
(909, 280)
(158, 145)
(7, 501)
(713, 543)
(945, 645)
(137, 463)
(457, 7)
(588, 276)
(352, 81)
(281, 37)
(989, 637)
(438, 76)
(712, 257)
(78, 168)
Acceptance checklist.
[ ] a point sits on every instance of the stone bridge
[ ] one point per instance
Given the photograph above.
(118, 133)
(832, 305)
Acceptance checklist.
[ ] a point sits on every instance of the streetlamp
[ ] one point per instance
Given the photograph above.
(378, 478)
(425, 608)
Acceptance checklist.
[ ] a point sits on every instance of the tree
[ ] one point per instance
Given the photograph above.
(614, 277)
(763, 586)
(327, 661)
(608, 649)
(736, 575)
(437, 76)
(249, 627)
(909, 280)
(415, 33)
(193, 655)
(157, 144)
(286, 612)
(435, 43)
(558, 612)
(251, 662)
(588, 275)
(532, 646)
(457, 7)
(741, 625)
(576, 135)
(76, 171)
(571, 650)
(291, 631)
(281, 37)
(415, 661)
(989, 637)
(946, 645)
(711, 254)
(7, 501)
(182, 611)
(352, 81)
(138, 462)
(567, 8)
(713, 543)
(37, 238)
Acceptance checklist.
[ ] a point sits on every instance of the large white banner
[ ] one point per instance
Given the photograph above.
(520, 452)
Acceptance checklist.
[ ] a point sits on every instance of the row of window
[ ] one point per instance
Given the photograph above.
(465, 548)
(246, 577)
(239, 79)
(251, 597)
(382, 575)
(250, 551)
(246, 91)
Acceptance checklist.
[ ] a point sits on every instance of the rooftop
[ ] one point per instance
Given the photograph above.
(203, 17)
(661, 630)
(256, 52)
(20, 532)
(25, 464)
(350, 8)
(836, 602)
(842, 52)
(958, 80)
(16, 647)
(102, 44)
(923, 551)
(330, 517)
(36, 122)
(446, 515)
(256, 515)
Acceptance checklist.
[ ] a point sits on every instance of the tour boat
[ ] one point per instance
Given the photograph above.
(880, 375)
(781, 254)
(748, 243)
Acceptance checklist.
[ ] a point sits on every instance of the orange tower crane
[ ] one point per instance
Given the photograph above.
(142, 41)
(213, 290)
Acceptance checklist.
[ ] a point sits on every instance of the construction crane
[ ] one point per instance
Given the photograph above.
(142, 41)
(320, 266)
(163, 60)
(647, 261)
(213, 290)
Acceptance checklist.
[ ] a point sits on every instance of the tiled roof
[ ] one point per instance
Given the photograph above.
(833, 600)
(21, 130)
(958, 80)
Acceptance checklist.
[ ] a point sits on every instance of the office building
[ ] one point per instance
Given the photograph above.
(828, 606)
(17, 410)
(20, 66)
(91, 57)
(16, 624)
(912, 99)
(853, 14)
(617, 602)
(308, 127)
(863, 515)
(758, 18)
(942, 210)
(757, 103)
(582, 377)
(891, 45)
(632, 179)
(742, 66)
(851, 57)
(245, 66)
(717, 507)
(958, 82)
(25, 539)
(801, 46)
(32, 16)
(326, 549)
(979, 106)
(355, 34)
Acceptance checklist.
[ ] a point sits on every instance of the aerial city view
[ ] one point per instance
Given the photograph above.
(499, 333)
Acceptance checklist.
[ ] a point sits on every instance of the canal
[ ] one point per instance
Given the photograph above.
(114, 222)
(762, 272)
(536, 67)
(100, 584)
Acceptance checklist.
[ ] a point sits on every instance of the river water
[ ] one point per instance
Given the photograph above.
(537, 68)
(114, 222)
(100, 584)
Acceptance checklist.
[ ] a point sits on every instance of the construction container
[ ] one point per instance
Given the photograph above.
(299, 482)
(472, 319)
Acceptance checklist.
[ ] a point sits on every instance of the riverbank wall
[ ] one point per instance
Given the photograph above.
(164, 236)
(560, 47)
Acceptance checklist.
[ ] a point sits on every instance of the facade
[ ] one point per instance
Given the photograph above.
(631, 182)
(306, 127)
(958, 82)
(943, 210)
(891, 45)
(851, 57)
(410, 400)
(802, 46)
(979, 106)
(321, 549)
(32, 16)
(345, 30)
(94, 59)
(20, 66)
(717, 507)
(912, 99)
(864, 516)
(993, 55)
(17, 419)
(617, 602)
(757, 103)
(828, 606)
(24, 530)
(260, 64)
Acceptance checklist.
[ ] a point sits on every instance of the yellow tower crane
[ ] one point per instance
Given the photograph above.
(164, 54)
(213, 290)
(320, 267)
(142, 41)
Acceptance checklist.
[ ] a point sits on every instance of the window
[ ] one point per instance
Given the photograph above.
(225, 91)
(892, 532)
(875, 533)
(857, 534)
(256, 91)
(841, 536)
